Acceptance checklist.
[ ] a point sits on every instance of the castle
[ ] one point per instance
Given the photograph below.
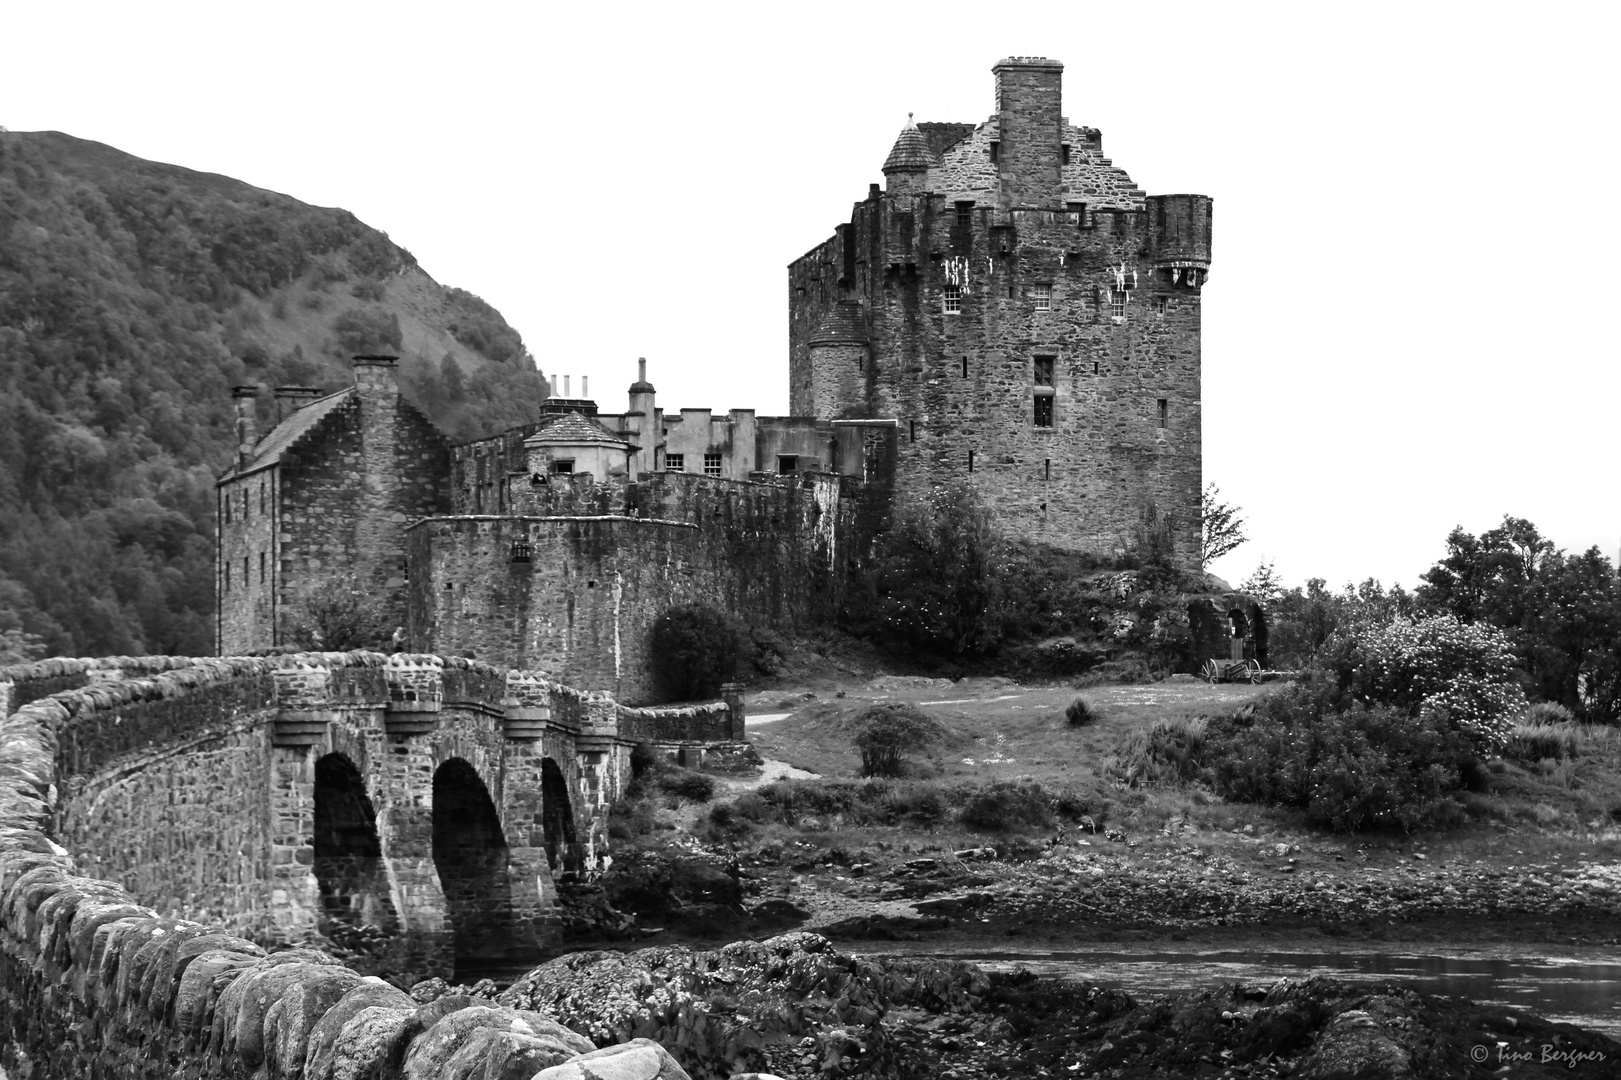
(1008, 310)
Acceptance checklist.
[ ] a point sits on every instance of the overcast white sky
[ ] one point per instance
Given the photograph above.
(1410, 318)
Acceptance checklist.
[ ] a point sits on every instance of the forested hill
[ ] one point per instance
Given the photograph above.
(133, 296)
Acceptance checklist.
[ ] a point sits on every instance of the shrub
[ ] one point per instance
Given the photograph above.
(1535, 741)
(887, 732)
(1080, 713)
(1433, 667)
(1167, 752)
(1547, 712)
(695, 649)
(697, 786)
(1348, 770)
(1008, 805)
(337, 614)
(644, 759)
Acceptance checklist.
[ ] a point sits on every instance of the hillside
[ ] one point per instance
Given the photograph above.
(133, 296)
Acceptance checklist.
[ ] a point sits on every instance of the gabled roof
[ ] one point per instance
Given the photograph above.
(572, 429)
(911, 151)
(287, 434)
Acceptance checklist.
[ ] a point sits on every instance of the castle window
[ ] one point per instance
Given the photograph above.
(965, 367)
(1162, 304)
(562, 467)
(261, 568)
(245, 578)
(1044, 370)
(971, 453)
(1066, 153)
(953, 300)
(675, 463)
(261, 496)
(1044, 410)
(787, 463)
(1117, 305)
(1043, 295)
(522, 551)
(912, 430)
(996, 152)
(1046, 473)
(1164, 412)
(711, 464)
(227, 577)
(244, 502)
(965, 215)
(227, 501)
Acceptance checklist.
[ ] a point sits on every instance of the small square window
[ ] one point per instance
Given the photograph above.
(675, 463)
(711, 464)
(1044, 370)
(1043, 295)
(787, 463)
(953, 300)
(1162, 304)
(563, 467)
(1044, 410)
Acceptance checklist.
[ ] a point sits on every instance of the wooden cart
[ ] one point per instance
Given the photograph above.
(1232, 671)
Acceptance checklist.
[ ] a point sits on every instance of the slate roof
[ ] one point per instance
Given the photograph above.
(287, 434)
(911, 151)
(573, 428)
(842, 325)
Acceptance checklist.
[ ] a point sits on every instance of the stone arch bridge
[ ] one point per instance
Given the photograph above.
(417, 807)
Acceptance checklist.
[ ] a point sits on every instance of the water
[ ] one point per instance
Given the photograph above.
(1579, 990)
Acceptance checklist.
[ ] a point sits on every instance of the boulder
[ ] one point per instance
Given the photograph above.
(639, 1059)
(369, 993)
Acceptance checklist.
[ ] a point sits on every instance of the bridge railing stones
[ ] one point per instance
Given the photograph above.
(95, 984)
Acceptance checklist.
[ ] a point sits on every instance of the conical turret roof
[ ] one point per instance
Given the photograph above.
(911, 151)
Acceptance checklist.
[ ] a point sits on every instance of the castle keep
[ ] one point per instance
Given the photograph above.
(1008, 310)
(1025, 313)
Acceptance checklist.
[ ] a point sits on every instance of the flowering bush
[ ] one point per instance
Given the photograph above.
(1437, 667)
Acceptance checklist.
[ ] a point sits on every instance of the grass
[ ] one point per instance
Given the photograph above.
(1561, 804)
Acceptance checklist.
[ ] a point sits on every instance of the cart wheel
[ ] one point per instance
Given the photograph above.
(1257, 676)
(1210, 672)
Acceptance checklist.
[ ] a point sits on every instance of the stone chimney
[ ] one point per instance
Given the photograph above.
(246, 400)
(290, 399)
(642, 421)
(565, 386)
(377, 375)
(585, 386)
(1029, 106)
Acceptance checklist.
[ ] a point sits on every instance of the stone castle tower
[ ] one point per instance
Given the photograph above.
(1026, 315)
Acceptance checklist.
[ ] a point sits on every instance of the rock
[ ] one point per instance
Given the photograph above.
(371, 1043)
(303, 1006)
(1355, 1046)
(369, 993)
(494, 1054)
(445, 1032)
(639, 1059)
(429, 990)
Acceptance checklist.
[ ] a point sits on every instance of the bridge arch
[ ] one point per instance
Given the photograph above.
(471, 857)
(350, 874)
(557, 819)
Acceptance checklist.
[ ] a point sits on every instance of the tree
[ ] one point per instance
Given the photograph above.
(1223, 529)
(695, 649)
(887, 732)
(936, 580)
(1263, 583)
(338, 614)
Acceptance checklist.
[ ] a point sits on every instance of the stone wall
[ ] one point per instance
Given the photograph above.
(95, 984)
(576, 592)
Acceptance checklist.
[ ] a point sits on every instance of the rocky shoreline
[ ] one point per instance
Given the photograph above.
(796, 1007)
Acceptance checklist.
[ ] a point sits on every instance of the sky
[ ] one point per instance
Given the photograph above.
(1405, 327)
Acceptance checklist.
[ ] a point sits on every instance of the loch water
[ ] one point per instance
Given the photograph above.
(1572, 986)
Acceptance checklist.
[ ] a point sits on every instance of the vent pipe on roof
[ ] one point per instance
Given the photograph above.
(585, 387)
(565, 386)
